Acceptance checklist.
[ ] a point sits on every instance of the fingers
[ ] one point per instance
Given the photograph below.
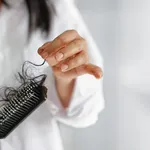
(65, 37)
(67, 55)
(74, 62)
(58, 43)
(93, 70)
(81, 70)
(88, 69)
(70, 50)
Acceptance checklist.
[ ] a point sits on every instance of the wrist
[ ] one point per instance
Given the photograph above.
(64, 80)
(64, 89)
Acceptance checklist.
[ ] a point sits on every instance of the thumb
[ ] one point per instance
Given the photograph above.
(90, 69)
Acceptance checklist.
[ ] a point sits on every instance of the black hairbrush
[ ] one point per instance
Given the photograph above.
(21, 102)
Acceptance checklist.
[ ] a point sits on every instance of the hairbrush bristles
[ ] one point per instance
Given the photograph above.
(21, 103)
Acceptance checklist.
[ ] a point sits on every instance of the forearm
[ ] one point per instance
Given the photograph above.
(64, 90)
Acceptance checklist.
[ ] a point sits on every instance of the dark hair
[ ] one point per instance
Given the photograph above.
(40, 15)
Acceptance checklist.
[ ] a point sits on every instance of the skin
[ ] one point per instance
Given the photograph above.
(68, 57)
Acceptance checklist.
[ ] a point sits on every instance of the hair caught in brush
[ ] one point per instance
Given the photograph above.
(24, 79)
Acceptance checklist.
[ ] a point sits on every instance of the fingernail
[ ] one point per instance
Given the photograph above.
(59, 56)
(64, 68)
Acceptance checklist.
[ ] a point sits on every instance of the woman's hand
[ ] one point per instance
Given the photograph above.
(68, 57)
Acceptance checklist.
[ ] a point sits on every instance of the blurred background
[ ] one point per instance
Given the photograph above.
(121, 29)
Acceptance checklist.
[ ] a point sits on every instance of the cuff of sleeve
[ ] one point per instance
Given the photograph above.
(85, 86)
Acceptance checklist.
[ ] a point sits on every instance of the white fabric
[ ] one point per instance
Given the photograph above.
(40, 131)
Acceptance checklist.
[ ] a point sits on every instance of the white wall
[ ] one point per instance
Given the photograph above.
(134, 72)
(121, 29)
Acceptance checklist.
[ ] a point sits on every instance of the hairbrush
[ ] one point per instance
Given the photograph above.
(21, 102)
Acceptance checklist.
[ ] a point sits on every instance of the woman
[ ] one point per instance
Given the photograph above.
(73, 99)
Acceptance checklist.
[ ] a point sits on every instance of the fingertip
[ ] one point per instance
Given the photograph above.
(40, 50)
(98, 74)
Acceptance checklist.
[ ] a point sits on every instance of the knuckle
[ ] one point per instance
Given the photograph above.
(60, 39)
(80, 43)
(77, 43)
(74, 32)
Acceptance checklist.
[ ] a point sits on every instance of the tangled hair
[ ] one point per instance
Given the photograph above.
(25, 78)
(40, 15)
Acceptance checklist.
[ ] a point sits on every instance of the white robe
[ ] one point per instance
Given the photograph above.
(40, 131)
